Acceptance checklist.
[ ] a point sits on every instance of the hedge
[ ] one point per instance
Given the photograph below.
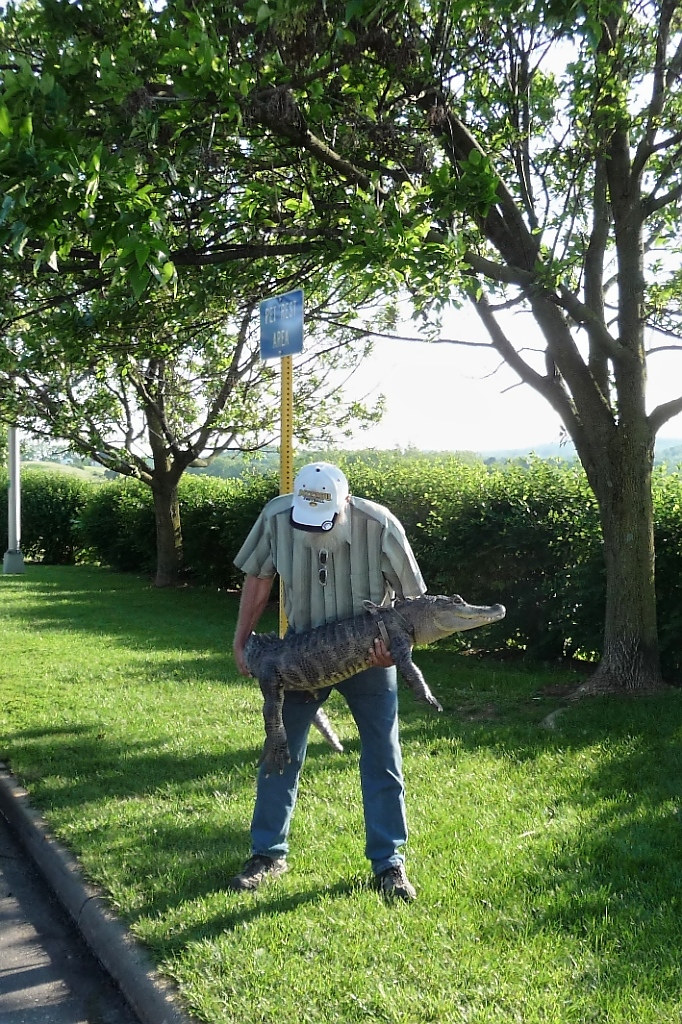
(526, 536)
(117, 526)
(51, 506)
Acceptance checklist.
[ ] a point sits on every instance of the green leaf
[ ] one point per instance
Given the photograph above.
(263, 14)
(139, 278)
(7, 204)
(167, 270)
(142, 251)
(46, 84)
(5, 122)
(353, 8)
(20, 239)
(92, 189)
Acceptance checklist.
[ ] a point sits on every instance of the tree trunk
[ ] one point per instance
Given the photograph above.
(622, 484)
(164, 478)
(168, 534)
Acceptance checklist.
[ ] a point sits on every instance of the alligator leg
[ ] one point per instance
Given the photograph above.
(275, 756)
(401, 652)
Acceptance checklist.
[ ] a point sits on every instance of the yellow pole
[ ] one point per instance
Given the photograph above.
(286, 454)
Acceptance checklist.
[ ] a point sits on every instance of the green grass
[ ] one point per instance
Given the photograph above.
(95, 474)
(548, 862)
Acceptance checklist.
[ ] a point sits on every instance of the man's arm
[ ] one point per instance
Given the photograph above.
(255, 596)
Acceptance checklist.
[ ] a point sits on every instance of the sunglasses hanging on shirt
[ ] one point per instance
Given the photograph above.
(323, 556)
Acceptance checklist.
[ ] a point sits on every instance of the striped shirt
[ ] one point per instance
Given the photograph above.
(378, 565)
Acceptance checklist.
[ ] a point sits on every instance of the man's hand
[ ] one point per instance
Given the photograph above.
(238, 652)
(379, 655)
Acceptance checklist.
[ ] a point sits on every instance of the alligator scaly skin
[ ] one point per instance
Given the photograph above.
(329, 654)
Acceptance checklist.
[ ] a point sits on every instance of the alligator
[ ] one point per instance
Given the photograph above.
(328, 654)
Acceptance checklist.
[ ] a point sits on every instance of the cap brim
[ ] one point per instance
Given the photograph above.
(303, 519)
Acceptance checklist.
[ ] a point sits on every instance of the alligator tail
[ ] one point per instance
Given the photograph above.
(323, 725)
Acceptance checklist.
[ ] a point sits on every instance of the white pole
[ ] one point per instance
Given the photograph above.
(13, 562)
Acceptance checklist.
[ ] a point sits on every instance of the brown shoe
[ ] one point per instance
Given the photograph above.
(256, 870)
(394, 884)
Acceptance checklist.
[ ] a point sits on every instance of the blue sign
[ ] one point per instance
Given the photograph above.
(281, 325)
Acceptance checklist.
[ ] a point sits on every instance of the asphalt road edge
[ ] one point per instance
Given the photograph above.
(151, 996)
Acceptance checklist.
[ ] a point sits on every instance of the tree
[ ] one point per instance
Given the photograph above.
(529, 160)
(111, 188)
(524, 159)
(122, 164)
(148, 389)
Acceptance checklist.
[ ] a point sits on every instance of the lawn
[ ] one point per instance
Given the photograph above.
(93, 474)
(548, 861)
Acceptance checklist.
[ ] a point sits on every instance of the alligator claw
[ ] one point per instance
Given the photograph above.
(275, 758)
(427, 698)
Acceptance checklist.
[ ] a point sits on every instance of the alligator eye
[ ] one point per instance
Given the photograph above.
(456, 599)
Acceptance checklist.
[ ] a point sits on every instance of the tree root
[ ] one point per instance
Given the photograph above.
(549, 721)
(603, 684)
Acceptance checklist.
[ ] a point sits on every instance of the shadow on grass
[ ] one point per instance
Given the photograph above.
(270, 901)
(100, 769)
(613, 886)
(613, 883)
(170, 829)
(128, 609)
(128, 612)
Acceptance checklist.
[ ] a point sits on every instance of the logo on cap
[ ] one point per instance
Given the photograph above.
(313, 497)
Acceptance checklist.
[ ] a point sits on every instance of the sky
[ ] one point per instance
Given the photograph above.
(447, 397)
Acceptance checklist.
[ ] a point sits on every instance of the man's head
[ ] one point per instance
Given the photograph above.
(320, 497)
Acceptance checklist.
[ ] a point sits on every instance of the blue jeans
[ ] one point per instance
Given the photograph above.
(372, 696)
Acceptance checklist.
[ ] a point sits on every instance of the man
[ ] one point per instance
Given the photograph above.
(333, 551)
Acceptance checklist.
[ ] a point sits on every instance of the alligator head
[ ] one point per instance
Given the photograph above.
(433, 617)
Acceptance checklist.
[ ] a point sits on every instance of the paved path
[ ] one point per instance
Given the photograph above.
(47, 973)
(126, 962)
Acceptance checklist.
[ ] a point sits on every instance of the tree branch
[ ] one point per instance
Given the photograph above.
(658, 90)
(651, 205)
(234, 372)
(662, 413)
(506, 230)
(594, 277)
(498, 271)
(276, 109)
(595, 326)
(189, 257)
(549, 387)
(364, 332)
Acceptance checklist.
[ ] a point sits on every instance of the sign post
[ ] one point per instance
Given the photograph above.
(281, 336)
(13, 561)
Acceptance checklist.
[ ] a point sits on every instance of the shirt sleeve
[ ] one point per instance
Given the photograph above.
(399, 564)
(255, 555)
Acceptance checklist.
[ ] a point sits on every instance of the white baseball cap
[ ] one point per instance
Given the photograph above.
(320, 492)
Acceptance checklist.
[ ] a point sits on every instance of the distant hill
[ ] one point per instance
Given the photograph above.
(543, 451)
(668, 450)
(92, 473)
